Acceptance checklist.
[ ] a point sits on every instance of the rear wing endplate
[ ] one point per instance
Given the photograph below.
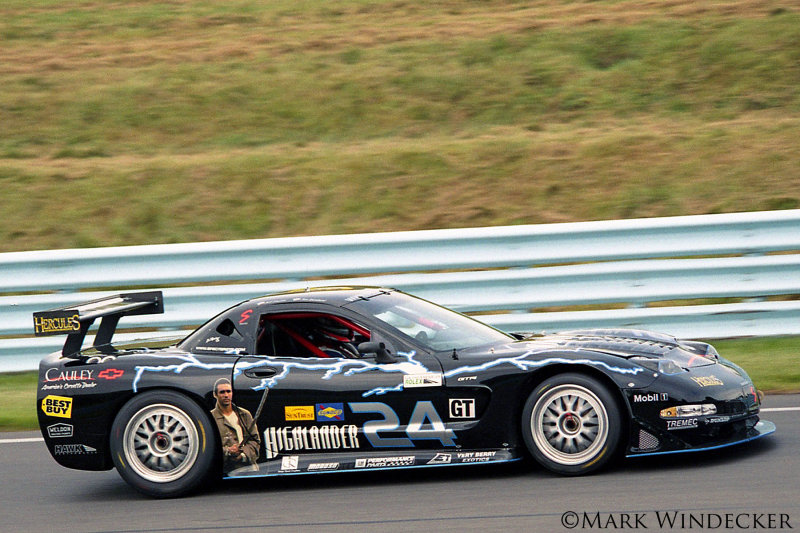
(75, 320)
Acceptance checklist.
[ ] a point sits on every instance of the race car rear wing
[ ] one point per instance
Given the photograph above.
(75, 320)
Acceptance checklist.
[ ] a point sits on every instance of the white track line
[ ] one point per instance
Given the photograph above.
(16, 441)
(777, 409)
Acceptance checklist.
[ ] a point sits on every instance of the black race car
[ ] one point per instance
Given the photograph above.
(359, 378)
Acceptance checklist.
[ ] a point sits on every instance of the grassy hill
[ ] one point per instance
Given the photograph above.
(146, 121)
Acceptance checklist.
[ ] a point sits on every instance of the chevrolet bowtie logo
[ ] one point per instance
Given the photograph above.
(110, 373)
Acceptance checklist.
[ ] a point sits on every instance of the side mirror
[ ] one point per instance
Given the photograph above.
(382, 355)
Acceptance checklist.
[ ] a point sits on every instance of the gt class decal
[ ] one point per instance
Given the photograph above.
(462, 408)
(425, 424)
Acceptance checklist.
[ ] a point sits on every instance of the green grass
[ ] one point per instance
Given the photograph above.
(187, 121)
(140, 121)
(19, 401)
(770, 362)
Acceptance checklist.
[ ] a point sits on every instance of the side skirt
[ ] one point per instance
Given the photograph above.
(365, 461)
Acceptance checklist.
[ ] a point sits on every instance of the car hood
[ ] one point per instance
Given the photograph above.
(623, 343)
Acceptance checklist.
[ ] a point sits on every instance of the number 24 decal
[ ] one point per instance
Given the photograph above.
(425, 424)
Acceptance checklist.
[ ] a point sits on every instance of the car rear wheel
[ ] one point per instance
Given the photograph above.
(571, 424)
(163, 444)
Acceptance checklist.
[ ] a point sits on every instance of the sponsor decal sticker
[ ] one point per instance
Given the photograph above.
(441, 459)
(327, 412)
(56, 322)
(683, 423)
(431, 379)
(58, 406)
(323, 466)
(110, 373)
(73, 449)
(718, 419)
(385, 462)
(60, 430)
(652, 397)
(54, 374)
(424, 424)
(475, 457)
(707, 381)
(298, 412)
(289, 463)
(296, 438)
(464, 408)
(468, 378)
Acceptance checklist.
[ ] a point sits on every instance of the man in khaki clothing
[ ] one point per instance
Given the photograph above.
(240, 440)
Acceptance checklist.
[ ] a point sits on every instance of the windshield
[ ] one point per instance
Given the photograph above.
(433, 326)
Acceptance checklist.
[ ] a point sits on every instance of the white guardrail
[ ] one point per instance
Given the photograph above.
(654, 274)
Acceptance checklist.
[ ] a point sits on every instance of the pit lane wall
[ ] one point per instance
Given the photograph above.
(707, 276)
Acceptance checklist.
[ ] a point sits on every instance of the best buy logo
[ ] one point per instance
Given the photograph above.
(59, 406)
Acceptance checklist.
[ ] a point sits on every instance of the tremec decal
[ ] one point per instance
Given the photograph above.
(59, 406)
(296, 438)
(425, 424)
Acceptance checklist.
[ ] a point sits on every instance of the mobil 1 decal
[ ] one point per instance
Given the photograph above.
(424, 424)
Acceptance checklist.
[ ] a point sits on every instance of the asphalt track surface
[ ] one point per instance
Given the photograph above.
(756, 483)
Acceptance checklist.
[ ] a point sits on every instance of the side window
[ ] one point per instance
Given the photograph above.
(309, 334)
(224, 338)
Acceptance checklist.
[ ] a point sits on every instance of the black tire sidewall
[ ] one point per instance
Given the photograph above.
(611, 446)
(207, 447)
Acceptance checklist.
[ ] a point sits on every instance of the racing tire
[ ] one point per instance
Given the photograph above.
(571, 424)
(163, 444)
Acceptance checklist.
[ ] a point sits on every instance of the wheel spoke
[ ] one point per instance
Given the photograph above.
(160, 443)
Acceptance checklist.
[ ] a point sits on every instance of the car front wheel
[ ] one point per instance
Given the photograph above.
(163, 444)
(571, 424)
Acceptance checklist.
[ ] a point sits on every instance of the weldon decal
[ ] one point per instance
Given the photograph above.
(59, 430)
(296, 438)
(59, 406)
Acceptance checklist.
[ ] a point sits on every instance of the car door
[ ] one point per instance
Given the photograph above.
(315, 409)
